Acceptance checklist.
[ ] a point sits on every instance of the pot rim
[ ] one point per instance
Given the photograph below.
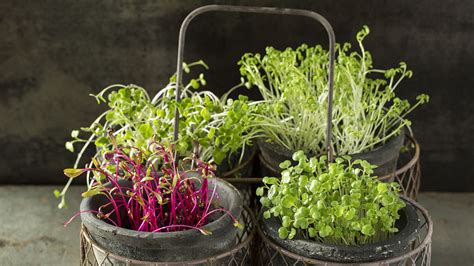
(90, 219)
(263, 141)
(411, 216)
(243, 164)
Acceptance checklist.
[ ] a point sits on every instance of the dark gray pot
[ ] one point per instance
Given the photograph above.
(398, 244)
(384, 156)
(167, 246)
(230, 166)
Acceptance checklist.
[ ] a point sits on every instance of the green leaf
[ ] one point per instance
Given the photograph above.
(101, 141)
(74, 133)
(299, 155)
(314, 186)
(368, 230)
(312, 232)
(259, 191)
(91, 192)
(146, 130)
(387, 200)
(339, 211)
(349, 215)
(382, 188)
(288, 201)
(286, 221)
(205, 114)
(356, 226)
(285, 164)
(69, 146)
(266, 214)
(303, 181)
(57, 193)
(270, 180)
(218, 156)
(271, 192)
(320, 204)
(283, 232)
(73, 172)
(212, 132)
(325, 231)
(285, 177)
(292, 233)
(194, 84)
(265, 202)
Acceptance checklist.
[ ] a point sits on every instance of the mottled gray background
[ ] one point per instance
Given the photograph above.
(54, 53)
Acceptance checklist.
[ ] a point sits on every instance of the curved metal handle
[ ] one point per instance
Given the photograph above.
(263, 10)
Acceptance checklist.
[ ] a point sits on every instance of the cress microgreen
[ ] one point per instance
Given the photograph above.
(340, 203)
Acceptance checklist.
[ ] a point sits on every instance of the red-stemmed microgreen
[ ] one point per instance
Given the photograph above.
(163, 194)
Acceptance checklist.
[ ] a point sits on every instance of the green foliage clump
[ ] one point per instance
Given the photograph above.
(211, 127)
(294, 86)
(335, 203)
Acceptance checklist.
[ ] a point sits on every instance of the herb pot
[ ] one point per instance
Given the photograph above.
(400, 243)
(385, 156)
(175, 246)
(244, 169)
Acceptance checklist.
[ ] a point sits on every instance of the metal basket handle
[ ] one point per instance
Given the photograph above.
(262, 10)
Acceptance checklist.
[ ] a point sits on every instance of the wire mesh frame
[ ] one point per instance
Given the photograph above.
(420, 253)
(409, 175)
(241, 254)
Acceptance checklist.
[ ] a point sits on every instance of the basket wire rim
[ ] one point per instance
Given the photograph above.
(246, 242)
(425, 243)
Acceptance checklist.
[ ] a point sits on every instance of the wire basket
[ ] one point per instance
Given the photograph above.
(420, 253)
(409, 174)
(241, 254)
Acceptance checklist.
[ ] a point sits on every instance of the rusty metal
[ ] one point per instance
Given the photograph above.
(241, 254)
(420, 253)
(261, 10)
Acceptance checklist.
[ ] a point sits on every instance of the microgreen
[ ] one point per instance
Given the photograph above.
(294, 86)
(170, 196)
(213, 128)
(336, 203)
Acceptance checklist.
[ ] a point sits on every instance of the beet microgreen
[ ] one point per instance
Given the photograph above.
(164, 197)
(294, 85)
(339, 203)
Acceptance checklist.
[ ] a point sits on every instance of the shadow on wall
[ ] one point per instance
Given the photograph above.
(54, 54)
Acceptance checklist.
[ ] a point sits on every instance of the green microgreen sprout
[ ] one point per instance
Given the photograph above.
(213, 128)
(337, 203)
(294, 86)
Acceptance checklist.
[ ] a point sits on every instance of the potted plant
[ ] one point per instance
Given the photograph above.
(336, 212)
(368, 118)
(150, 207)
(217, 129)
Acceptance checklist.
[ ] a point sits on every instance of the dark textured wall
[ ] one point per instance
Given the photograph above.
(54, 53)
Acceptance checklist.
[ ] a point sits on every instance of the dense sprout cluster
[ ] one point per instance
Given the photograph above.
(213, 128)
(159, 197)
(294, 85)
(337, 203)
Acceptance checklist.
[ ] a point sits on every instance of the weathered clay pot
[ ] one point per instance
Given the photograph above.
(177, 246)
